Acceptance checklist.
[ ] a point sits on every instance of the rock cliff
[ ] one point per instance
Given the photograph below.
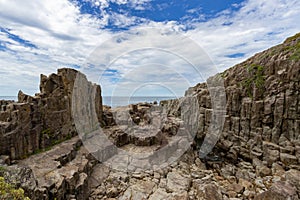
(262, 118)
(36, 122)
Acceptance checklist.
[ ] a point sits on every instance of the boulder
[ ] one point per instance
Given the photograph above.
(279, 191)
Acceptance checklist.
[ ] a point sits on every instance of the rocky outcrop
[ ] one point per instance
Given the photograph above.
(37, 122)
(256, 156)
(189, 178)
(261, 126)
(138, 124)
(263, 107)
(60, 173)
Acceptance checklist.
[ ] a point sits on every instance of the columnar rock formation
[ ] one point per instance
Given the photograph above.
(37, 122)
(263, 107)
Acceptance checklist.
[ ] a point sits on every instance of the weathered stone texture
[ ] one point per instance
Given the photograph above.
(262, 112)
(37, 122)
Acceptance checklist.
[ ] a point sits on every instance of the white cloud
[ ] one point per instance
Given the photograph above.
(135, 4)
(65, 37)
(256, 26)
(124, 21)
(144, 49)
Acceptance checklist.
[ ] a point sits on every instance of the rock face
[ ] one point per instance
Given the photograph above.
(261, 136)
(60, 173)
(263, 107)
(37, 122)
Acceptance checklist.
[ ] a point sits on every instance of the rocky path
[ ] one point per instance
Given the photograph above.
(189, 178)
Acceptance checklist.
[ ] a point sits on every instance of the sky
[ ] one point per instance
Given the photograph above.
(136, 47)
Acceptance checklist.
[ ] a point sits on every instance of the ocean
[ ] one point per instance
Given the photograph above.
(116, 101)
(15, 98)
(123, 101)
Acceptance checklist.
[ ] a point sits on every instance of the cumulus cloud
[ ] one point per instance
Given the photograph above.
(41, 36)
(256, 26)
(146, 48)
(63, 37)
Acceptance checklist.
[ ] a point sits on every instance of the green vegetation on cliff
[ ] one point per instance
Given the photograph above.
(255, 79)
(9, 192)
(296, 55)
(294, 48)
(292, 38)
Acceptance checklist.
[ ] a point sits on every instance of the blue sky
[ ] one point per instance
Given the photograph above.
(180, 11)
(40, 36)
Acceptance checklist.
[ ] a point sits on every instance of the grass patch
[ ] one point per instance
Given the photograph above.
(41, 150)
(53, 142)
(46, 131)
(222, 74)
(2, 169)
(296, 55)
(255, 79)
(292, 38)
(293, 50)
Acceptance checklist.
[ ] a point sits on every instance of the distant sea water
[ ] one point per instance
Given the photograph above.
(117, 101)
(15, 98)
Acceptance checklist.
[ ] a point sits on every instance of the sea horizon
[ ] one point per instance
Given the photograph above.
(115, 101)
